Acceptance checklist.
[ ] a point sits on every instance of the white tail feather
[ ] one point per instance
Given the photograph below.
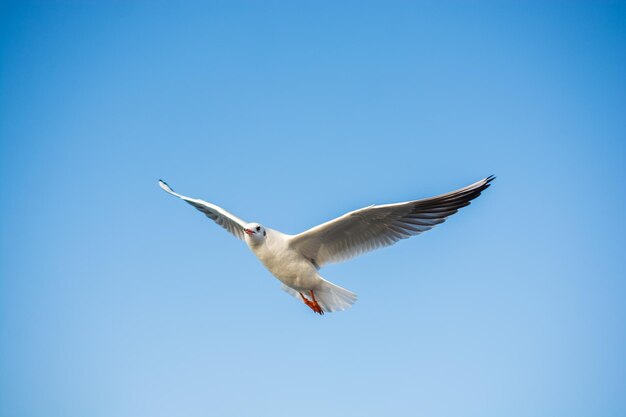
(329, 296)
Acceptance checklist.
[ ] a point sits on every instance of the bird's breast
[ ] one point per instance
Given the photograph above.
(285, 263)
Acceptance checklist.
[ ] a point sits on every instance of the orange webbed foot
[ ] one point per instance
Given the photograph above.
(312, 304)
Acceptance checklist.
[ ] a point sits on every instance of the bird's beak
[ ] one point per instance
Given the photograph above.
(248, 231)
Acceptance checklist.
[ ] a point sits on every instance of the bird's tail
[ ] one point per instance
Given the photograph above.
(329, 296)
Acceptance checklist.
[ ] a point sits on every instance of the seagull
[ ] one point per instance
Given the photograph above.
(295, 260)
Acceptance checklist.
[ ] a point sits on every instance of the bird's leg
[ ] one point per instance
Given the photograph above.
(308, 302)
(313, 305)
(318, 309)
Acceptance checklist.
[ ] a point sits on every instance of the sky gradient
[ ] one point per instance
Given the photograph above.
(119, 300)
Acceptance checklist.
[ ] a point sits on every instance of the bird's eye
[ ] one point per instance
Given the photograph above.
(258, 228)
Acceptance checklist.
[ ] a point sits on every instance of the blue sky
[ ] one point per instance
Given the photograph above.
(118, 300)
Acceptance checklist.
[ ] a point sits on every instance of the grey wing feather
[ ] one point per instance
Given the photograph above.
(227, 220)
(373, 227)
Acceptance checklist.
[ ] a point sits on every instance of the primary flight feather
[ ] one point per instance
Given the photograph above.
(296, 259)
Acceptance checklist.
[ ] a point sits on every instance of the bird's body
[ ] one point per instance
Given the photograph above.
(298, 274)
(295, 260)
(284, 262)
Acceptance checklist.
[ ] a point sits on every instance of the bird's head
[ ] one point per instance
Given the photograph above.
(255, 233)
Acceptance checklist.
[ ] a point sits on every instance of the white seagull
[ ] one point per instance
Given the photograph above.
(296, 259)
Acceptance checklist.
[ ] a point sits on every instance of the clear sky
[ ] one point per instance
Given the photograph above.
(117, 300)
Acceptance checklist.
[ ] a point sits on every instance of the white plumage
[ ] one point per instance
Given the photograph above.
(296, 259)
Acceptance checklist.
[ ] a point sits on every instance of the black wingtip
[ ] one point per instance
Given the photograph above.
(165, 187)
(487, 182)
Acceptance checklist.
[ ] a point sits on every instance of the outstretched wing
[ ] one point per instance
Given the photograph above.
(220, 216)
(373, 227)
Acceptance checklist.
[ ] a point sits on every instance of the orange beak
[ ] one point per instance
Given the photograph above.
(248, 231)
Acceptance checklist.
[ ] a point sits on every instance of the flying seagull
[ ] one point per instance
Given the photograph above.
(296, 259)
